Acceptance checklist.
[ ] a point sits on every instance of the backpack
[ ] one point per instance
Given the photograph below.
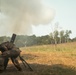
(15, 52)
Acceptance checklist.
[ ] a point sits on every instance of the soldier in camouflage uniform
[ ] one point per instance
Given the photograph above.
(8, 49)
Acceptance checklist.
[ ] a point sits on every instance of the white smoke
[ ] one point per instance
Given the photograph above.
(17, 16)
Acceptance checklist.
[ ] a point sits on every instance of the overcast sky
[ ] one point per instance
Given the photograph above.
(37, 16)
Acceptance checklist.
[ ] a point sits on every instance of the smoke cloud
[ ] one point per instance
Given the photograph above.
(18, 16)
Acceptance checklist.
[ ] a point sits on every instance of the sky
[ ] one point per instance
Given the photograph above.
(37, 17)
(65, 16)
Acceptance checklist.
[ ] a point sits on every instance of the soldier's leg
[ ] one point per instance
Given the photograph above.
(16, 63)
(5, 63)
(6, 58)
(1, 64)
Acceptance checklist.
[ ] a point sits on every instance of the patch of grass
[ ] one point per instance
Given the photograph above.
(48, 60)
(59, 69)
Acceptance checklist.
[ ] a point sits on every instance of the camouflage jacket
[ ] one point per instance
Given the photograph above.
(6, 46)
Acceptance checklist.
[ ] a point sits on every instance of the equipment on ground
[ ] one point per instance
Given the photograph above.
(23, 61)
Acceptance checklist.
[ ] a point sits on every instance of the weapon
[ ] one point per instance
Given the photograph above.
(23, 61)
(13, 38)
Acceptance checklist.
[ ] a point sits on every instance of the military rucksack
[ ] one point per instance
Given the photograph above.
(15, 52)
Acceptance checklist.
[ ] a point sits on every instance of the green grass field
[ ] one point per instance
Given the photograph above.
(47, 60)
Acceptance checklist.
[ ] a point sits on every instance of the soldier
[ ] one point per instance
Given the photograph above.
(8, 49)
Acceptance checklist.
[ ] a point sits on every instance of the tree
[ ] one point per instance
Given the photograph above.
(61, 36)
(51, 38)
(56, 33)
(67, 35)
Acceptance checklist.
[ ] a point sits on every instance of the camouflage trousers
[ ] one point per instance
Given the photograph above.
(1, 63)
(14, 61)
(12, 54)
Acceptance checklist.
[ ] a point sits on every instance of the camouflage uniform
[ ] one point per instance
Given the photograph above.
(1, 63)
(8, 49)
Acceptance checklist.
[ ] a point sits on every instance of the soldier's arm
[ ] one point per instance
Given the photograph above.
(4, 47)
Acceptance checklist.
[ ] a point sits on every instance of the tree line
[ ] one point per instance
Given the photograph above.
(54, 37)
